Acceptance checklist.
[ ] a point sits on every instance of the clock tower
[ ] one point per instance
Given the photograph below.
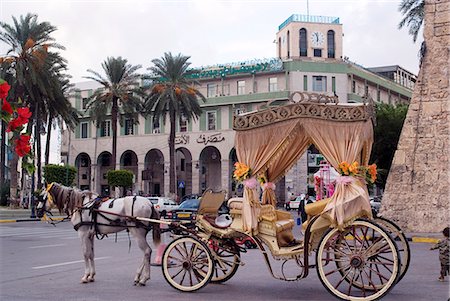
(310, 37)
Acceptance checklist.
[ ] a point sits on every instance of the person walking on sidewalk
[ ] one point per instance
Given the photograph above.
(443, 246)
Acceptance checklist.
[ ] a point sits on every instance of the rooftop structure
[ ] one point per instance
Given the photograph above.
(309, 19)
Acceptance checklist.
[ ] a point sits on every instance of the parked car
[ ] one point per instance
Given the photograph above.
(163, 205)
(375, 203)
(246, 241)
(294, 204)
(188, 210)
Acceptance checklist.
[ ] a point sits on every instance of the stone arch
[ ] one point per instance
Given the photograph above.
(234, 188)
(210, 169)
(83, 166)
(153, 174)
(183, 159)
(104, 163)
(129, 161)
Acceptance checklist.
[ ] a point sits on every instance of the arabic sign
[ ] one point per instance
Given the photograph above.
(182, 139)
(214, 138)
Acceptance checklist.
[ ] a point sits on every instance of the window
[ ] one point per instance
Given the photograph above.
(183, 123)
(211, 90)
(239, 111)
(129, 127)
(317, 52)
(156, 128)
(333, 84)
(353, 86)
(84, 129)
(319, 83)
(182, 164)
(273, 84)
(366, 90)
(288, 45)
(105, 130)
(305, 83)
(303, 43)
(330, 44)
(84, 103)
(241, 87)
(211, 120)
(378, 95)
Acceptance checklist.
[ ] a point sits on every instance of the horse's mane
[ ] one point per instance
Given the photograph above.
(67, 199)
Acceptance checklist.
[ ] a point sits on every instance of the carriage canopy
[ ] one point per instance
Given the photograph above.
(273, 138)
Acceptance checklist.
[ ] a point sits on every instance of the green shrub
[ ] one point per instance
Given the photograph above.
(120, 178)
(64, 175)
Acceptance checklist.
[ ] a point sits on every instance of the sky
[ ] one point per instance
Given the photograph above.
(209, 31)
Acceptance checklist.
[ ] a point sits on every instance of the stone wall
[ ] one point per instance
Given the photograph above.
(417, 190)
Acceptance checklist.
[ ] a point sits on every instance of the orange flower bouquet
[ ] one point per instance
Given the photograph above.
(241, 171)
(368, 173)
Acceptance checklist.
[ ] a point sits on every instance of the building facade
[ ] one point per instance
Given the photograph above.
(310, 59)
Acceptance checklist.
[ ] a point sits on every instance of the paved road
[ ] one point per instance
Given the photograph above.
(42, 262)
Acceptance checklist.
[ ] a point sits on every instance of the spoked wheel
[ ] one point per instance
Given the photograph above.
(227, 259)
(187, 264)
(359, 263)
(402, 243)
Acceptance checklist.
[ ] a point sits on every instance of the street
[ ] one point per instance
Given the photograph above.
(42, 262)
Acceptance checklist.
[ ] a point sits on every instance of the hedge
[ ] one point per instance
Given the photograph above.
(120, 178)
(64, 175)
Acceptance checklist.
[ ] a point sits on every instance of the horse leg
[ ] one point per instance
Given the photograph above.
(143, 272)
(91, 259)
(86, 247)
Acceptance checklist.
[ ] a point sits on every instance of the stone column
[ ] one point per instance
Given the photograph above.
(417, 189)
(196, 176)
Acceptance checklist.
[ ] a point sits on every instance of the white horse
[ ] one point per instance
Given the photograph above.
(92, 217)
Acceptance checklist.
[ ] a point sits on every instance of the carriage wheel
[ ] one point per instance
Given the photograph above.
(227, 259)
(402, 243)
(187, 264)
(359, 263)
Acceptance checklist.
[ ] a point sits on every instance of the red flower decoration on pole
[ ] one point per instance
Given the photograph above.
(4, 89)
(6, 107)
(23, 146)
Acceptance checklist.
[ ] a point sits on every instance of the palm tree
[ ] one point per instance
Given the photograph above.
(413, 15)
(119, 87)
(173, 93)
(29, 42)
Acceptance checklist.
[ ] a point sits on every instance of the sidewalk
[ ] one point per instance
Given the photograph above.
(8, 215)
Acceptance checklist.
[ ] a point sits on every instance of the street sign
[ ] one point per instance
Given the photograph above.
(180, 184)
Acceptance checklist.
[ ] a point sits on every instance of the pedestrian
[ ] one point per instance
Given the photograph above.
(301, 208)
(442, 245)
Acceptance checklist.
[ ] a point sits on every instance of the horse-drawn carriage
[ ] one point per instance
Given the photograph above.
(357, 257)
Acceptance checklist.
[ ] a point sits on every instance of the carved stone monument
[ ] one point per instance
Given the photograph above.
(417, 189)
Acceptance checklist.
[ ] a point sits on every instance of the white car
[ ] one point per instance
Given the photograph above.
(294, 204)
(163, 205)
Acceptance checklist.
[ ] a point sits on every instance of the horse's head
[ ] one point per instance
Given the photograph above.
(45, 201)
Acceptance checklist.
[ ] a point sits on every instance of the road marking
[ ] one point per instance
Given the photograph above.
(47, 246)
(65, 263)
(425, 239)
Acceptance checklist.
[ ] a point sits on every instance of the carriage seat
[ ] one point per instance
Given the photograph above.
(273, 222)
(314, 209)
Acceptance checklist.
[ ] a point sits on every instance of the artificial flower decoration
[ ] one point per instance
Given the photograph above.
(241, 171)
(367, 173)
(4, 89)
(6, 107)
(23, 146)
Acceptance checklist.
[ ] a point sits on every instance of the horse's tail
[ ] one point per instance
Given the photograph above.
(156, 227)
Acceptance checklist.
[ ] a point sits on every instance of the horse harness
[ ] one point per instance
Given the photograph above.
(94, 211)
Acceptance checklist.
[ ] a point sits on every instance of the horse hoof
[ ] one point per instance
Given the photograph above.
(91, 280)
(84, 281)
(141, 284)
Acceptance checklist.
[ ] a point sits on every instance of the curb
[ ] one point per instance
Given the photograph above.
(424, 239)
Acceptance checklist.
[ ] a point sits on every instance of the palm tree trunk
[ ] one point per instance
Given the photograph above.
(172, 184)
(114, 113)
(47, 142)
(37, 138)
